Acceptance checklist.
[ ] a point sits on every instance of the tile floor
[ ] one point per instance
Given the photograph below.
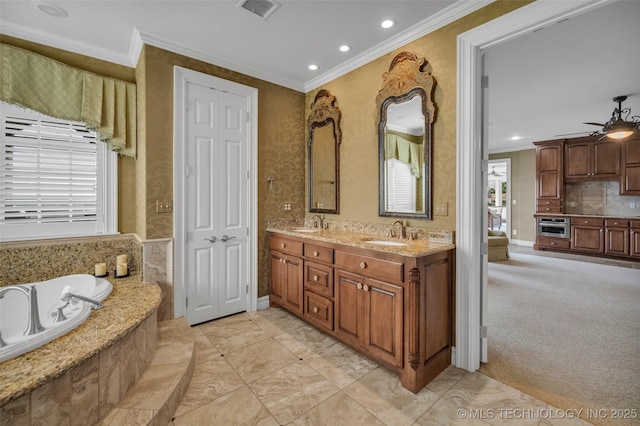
(270, 368)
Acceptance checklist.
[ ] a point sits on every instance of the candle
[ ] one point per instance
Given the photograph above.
(101, 269)
(121, 259)
(121, 269)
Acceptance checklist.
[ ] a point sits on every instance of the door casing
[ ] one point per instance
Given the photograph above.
(183, 76)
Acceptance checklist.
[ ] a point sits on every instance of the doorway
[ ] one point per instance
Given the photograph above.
(499, 195)
(215, 191)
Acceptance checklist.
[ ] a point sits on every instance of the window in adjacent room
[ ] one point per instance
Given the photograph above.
(56, 178)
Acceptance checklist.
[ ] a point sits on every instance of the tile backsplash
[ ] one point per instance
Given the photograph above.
(601, 199)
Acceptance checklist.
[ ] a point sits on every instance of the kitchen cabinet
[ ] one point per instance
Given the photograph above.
(588, 159)
(616, 237)
(549, 176)
(587, 235)
(395, 308)
(634, 237)
(630, 173)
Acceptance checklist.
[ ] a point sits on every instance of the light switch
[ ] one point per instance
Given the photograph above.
(164, 206)
(441, 209)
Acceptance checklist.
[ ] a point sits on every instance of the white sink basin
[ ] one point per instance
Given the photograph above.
(386, 243)
(309, 230)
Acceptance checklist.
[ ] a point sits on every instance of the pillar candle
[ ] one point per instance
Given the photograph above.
(101, 269)
(121, 269)
(121, 259)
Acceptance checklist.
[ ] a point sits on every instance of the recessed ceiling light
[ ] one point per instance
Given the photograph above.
(313, 67)
(516, 138)
(50, 9)
(388, 23)
(345, 48)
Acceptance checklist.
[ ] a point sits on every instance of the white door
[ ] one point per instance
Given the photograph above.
(484, 290)
(217, 185)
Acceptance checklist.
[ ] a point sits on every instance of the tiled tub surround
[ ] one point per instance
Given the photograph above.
(79, 377)
(33, 261)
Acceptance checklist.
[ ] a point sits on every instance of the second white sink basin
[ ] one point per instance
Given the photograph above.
(386, 243)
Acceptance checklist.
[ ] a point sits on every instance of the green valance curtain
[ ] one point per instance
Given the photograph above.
(406, 148)
(104, 104)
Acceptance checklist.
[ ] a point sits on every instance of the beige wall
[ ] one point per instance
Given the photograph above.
(356, 93)
(523, 191)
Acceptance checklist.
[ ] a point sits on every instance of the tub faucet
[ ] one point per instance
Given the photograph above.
(68, 297)
(399, 234)
(34, 326)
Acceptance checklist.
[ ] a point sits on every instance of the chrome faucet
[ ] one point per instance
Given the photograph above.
(33, 326)
(319, 223)
(69, 297)
(401, 233)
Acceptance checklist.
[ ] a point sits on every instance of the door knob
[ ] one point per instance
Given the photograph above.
(211, 240)
(226, 238)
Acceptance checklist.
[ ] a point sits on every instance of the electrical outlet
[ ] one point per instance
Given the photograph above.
(164, 206)
(441, 209)
(514, 232)
(513, 202)
(287, 207)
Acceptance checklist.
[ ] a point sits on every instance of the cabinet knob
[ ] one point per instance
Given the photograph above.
(283, 260)
(316, 254)
(553, 243)
(283, 245)
(365, 288)
(547, 209)
(316, 278)
(315, 309)
(363, 265)
(359, 285)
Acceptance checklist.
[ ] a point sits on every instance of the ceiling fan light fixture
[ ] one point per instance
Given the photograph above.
(618, 127)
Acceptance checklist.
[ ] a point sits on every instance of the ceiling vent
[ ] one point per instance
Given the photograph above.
(262, 8)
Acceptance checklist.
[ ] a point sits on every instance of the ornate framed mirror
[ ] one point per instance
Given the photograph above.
(325, 136)
(405, 113)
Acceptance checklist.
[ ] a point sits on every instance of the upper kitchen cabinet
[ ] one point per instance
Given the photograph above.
(630, 173)
(588, 159)
(549, 176)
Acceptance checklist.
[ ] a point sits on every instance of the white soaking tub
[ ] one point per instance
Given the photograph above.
(14, 311)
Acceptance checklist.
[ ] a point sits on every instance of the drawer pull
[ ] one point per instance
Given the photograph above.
(316, 254)
(315, 309)
(363, 265)
(283, 245)
(553, 243)
(366, 288)
(316, 278)
(359, 286)
(547, 209)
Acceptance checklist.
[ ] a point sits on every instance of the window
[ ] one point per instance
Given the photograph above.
(56, 178)
(401, 187)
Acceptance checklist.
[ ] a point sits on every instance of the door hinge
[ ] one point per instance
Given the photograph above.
(247, 288)
(484, 248)
(248, 174)
(483, 331)
(187, 302)
(187, 106)
(484, 81)
(248, 117)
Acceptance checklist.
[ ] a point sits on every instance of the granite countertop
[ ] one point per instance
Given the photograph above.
(588, 215)
(412, 248)
(130, 302)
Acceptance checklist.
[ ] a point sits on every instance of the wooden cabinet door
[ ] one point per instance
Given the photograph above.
(278, 278)
(606, 160)
(349, 307)
(630, 173)
(578, 160)
(549, 168)
(617, 241)
(383, 312)
(293, 292)
(634, 236)
(587, 238)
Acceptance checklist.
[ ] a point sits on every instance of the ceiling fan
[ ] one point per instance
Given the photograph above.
(618, 127)
(494, 173)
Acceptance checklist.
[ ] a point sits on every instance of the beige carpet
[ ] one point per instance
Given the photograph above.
(566, 332)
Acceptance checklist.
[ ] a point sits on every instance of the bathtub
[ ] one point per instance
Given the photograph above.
(14, 312)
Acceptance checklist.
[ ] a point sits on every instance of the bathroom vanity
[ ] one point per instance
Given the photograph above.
(390, 300)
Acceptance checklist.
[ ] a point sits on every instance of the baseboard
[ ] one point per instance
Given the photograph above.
(263, 302)
(523, 243)
(453, 355)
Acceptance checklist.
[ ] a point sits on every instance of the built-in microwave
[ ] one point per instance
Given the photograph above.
(559, 227)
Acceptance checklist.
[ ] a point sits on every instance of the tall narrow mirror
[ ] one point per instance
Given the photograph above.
(405, 114)
(324, 154)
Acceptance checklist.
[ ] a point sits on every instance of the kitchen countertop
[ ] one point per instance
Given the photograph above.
(413, 248)
(129, 304)
(586, 215)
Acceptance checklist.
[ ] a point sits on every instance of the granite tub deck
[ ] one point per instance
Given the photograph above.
(411, 248)
(96, 363)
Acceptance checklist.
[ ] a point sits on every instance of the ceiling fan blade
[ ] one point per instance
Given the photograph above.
(595, 124)
(572, 134)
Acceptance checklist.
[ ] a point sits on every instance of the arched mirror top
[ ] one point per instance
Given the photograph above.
(325, 136)
(405, 113)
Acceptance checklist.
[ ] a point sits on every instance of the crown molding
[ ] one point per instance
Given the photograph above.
(446, 16)
(48, 39)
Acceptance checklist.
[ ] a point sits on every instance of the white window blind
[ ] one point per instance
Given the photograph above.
(401, 187)
(53, 177)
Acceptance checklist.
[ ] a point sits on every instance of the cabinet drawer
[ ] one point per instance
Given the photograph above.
(561, 243)
(318, 310)
(616, 223)
(635, 224)
(323, 254)
(587, 222)
(285, 245)
(548, 202)
(318, 278)
(369, 266)
(549, 209)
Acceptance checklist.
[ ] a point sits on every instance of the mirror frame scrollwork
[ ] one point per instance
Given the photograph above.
(405, 80)
(325, 112)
